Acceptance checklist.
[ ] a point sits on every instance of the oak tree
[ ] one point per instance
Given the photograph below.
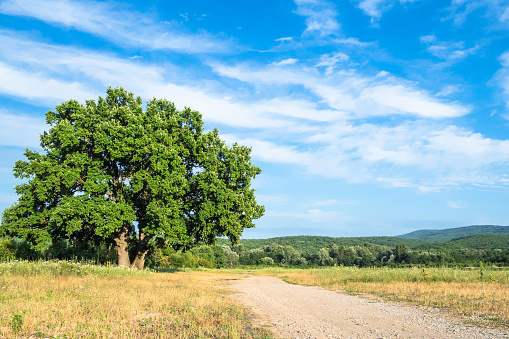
(139, 177)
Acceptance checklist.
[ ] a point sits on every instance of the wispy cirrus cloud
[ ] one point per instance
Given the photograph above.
(496, 11)
(349, 92)
(37, 87)
(375, 8)
(321, 17)
(456, 204)
(414, 154)
(45, 77)
(322, 138)
(113, 22)
(448, 50)
(502, 77)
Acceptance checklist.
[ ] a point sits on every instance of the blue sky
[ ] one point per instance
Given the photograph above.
(367, 117)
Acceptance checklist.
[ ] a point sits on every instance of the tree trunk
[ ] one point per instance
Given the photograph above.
(141, 252)
(139, 261)
(121, 247)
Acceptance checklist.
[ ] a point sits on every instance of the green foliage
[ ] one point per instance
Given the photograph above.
(214, 254)
(17, 322)
(140, 178)
(267, 261)
(306, 243)
(57, 268)
(7, 249)
(401, 254)
(474, 242)
(452, 233)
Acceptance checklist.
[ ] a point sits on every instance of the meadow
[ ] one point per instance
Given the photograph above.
(479, 295)
(59, 299)
(63, 299)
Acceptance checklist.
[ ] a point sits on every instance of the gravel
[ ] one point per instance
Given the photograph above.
(294, 311)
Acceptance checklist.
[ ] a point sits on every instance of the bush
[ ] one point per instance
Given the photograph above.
(267, 261)
(7, 249)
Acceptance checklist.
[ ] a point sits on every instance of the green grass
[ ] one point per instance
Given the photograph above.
(57, 268)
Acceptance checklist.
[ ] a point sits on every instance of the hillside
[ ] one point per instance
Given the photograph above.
(452, 233)
(473, 237)
(486, 242)
(314, 243)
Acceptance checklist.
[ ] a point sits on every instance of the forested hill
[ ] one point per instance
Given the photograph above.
(487, 242)
(314, 243)
(453, 233)
(421, 239)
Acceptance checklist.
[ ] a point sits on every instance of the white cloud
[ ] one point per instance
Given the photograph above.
(351, 93)
(447, 90)
(418, 150)
(329, 61)
(289, 61)
(353, 42)
(414, 155)
(55, 63)
(398, 99)
(375, 8)
(36, 87)
(114, 22)
(495, 10)
(456, 204)
(448, 50)
(271, 152)
(428, 38)
(502, 77)
(505, 15)
(320, 16)
(468, 146)
(285, 39)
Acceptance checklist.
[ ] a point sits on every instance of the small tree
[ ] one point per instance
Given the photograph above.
(111, 170)
(401, 253)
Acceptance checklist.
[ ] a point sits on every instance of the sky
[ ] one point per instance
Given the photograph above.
(367, 117)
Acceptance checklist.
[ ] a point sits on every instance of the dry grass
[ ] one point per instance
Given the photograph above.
(144, 305)
(481, 297)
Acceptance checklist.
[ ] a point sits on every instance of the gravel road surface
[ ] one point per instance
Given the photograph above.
(295, 311)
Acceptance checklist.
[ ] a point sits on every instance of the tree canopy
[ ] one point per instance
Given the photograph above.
(141, 178)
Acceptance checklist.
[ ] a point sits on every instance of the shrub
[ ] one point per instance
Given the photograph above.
(7, 249)
(267, 261)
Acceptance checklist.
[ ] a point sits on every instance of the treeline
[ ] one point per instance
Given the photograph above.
(308, 243)
(467, 251)
(367, 255)
(103, 253)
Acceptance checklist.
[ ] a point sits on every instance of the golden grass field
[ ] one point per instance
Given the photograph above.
(81, 302)
(72, 300)
(480, 295)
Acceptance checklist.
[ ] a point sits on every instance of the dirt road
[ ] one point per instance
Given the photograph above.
(310, 312)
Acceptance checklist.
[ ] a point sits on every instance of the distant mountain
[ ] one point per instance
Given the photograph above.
(474, 242)
(452, 233)
(422, 239)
